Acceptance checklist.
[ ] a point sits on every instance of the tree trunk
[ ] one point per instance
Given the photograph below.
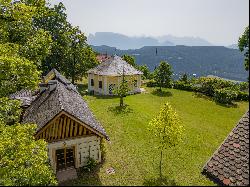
(161, 163)
(121, 101)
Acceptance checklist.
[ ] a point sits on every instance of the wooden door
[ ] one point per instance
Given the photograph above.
(65, 158)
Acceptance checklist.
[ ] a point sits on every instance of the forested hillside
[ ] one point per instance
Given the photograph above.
(199, 60)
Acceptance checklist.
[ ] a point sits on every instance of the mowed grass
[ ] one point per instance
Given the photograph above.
(132, 151)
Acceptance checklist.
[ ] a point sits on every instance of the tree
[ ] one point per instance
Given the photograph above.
(16, 27)
(23, 160)
(17, 73)
(184, 78)
(79, 56)
(243, 44)
(162, 75)
(122, 89)
(146, 73)
(129, 59)
(167, 128)
(70, 54)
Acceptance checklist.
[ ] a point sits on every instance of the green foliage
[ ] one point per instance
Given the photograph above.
(70, 54)
(184, 78)
(183, 86)
(91, 163)
(225, 95)
(242, 96)
(151, 83)
(162, 75)
(16, 26)
(208, 85)
(167, 128)
(122, 89)
(243, 44)
(130, 59)
(9, 110)
(23, 160)
(16, 74)
(146, 73)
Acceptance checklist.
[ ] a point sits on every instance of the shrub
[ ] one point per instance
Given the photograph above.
(225, 95)
(242, 96)
(208, 85)
(183, 86)
(151, 83)
(91, 163)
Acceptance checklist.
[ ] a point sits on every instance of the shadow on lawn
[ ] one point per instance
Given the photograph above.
(120, 110)
(164, 181)
(162, 93)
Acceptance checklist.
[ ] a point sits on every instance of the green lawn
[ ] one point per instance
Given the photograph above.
(132, 151)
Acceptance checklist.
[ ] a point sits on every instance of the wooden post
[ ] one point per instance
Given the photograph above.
(67, 129)
(71, 128)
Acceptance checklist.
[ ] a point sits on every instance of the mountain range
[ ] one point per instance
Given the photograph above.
(124, 42)
(200, 60)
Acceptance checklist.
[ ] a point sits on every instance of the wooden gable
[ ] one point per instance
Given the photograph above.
(63, 127)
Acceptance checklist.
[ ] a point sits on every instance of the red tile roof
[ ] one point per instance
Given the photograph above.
(229, 165)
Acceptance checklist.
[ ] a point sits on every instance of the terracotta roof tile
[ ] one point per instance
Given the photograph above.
(229, 165)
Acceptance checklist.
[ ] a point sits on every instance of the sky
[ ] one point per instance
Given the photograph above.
(220, 22)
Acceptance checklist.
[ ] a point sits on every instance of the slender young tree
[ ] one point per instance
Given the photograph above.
(168, 130)
(122, 89)
(243, 44)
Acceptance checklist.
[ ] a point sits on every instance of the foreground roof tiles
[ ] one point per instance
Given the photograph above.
(229, 165)
(114, 66)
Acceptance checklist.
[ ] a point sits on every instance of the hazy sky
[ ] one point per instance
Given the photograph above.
(221, 22)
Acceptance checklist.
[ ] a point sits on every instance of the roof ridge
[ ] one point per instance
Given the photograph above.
(59, 98)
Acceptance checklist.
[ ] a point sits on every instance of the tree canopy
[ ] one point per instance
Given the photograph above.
(243, 44)
(23, 160)
(162, 74)
(167, 128)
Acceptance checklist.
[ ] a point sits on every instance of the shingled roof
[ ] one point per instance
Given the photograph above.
(113, 66)
(25, 96)
(229, 165)
(60, 96)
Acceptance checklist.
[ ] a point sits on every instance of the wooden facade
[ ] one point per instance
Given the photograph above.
(62, 127)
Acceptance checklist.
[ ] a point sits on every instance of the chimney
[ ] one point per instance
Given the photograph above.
(52, 84)
(43, 87)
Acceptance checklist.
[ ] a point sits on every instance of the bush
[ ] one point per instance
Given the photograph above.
(242, 96)
(151, 83)
(208, 85)
(91, 163)
(183, 86)
(225, 95)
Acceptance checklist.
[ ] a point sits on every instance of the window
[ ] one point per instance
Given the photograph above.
(135, 83)
(111, 88)
(100, 84)
(92, 82)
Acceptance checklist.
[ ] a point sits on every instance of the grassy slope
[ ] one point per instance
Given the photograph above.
(132, 151)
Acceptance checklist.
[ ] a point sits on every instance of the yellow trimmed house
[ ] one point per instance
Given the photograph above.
(103, 79)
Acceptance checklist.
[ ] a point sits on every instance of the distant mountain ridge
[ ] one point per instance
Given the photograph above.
(123, 42)
(200, 60)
